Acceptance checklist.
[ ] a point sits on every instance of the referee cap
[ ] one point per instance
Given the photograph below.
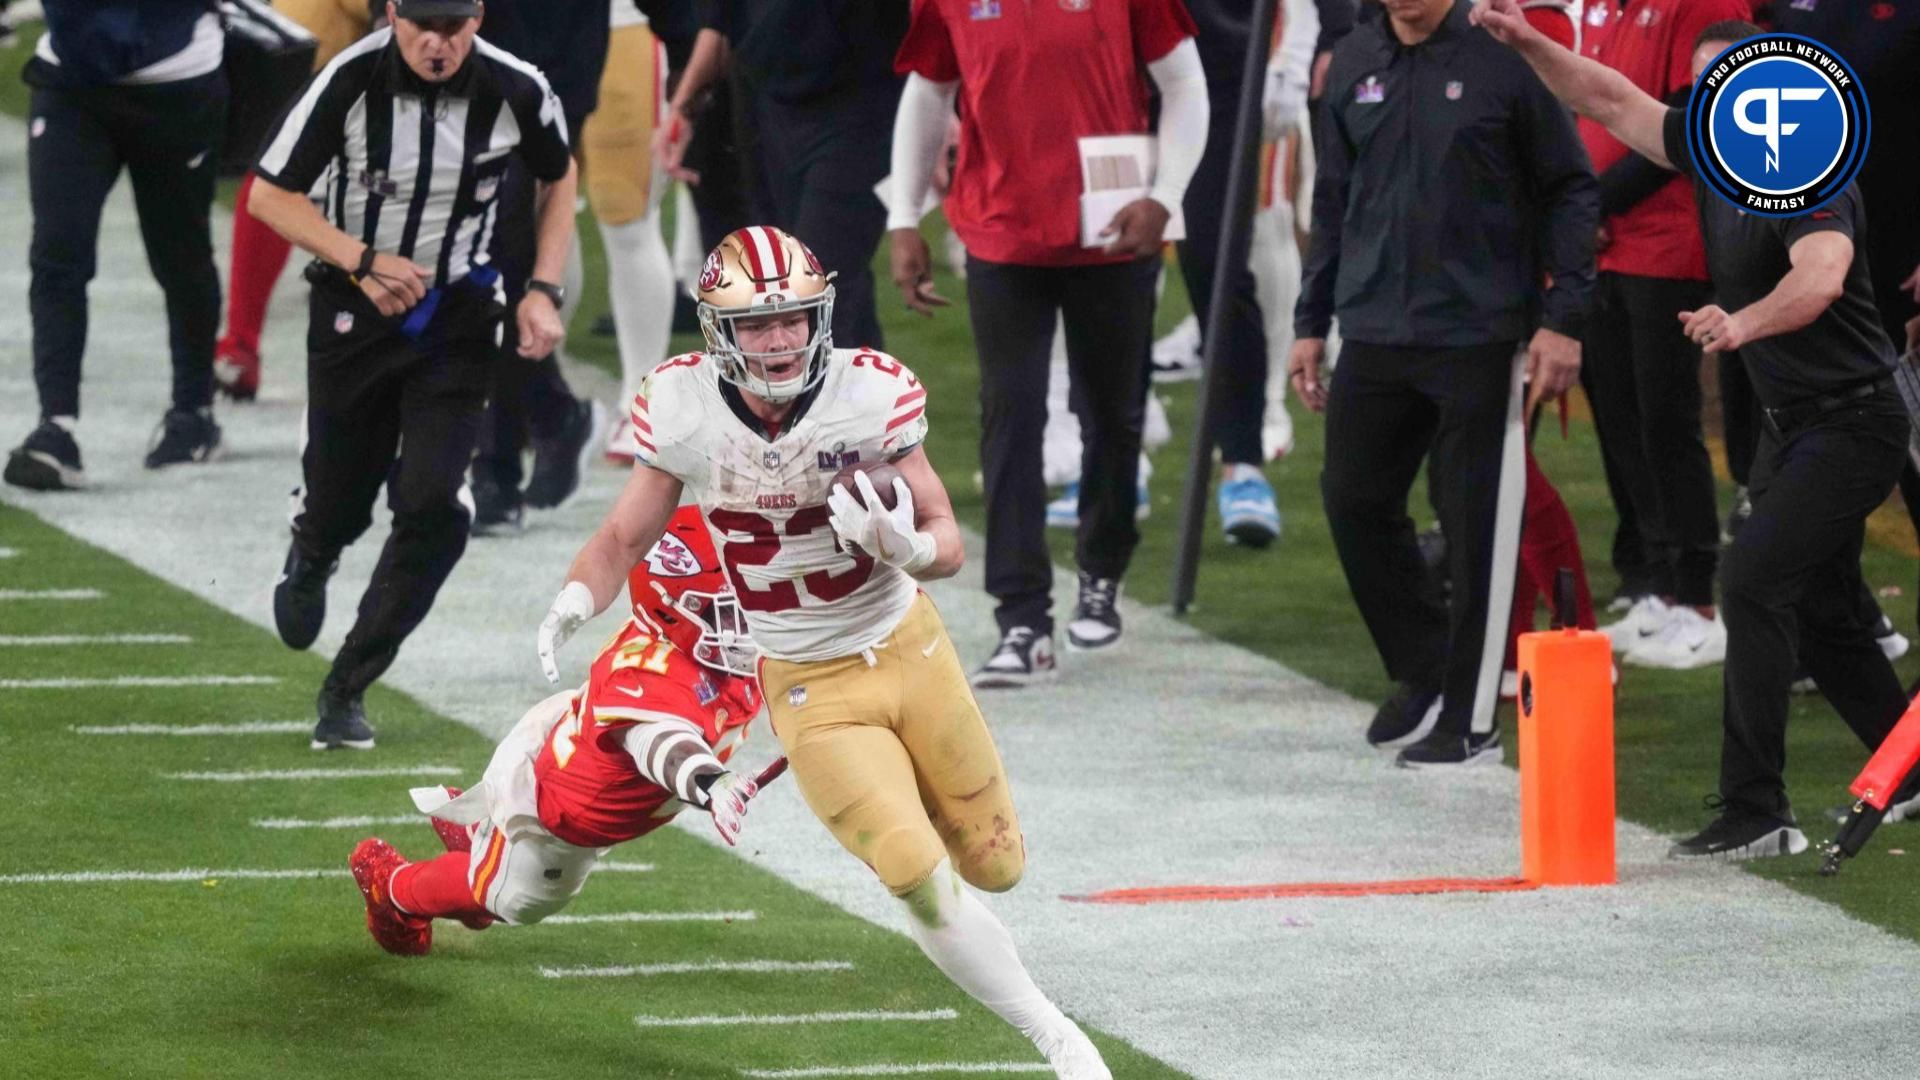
(436, 9)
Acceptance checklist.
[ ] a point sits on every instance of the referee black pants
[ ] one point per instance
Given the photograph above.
(383, 408)
(1790, 591)
(167, 138)
(1459, 410)
(1108, 311)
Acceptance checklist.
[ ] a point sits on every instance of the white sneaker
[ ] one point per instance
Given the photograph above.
(1176, 357)
(1689, 640)
(1074, 1056)
(1892, 642)
(621, 447)
(1644, 621)
(1509, 685)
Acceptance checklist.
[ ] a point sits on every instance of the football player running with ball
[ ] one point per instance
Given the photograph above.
(863, 686)
(649, 734)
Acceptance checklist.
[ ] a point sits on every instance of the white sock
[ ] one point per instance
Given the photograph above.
(688, 252)
(67, 424)
(573, 278)
(640, 281)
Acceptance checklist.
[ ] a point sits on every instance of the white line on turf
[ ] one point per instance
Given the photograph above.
(315, 774)
(652, 916)
(50, 594)
(940, 1068)
(252, 727)
(94, 639)
(8, 553)
(144, 681)
(360, 822)
(89, 877)
(756, 966)
(741, 1019)
(623, 867)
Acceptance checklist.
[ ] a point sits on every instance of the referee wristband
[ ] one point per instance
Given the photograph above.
(365, 268)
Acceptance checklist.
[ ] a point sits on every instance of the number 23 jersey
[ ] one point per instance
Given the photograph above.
(806, 597)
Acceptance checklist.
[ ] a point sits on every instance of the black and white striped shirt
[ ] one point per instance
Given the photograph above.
(414, 168)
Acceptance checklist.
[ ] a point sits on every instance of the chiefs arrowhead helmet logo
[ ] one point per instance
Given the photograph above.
(672, 558)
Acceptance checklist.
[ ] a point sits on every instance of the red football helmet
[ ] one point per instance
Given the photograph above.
(680, 591)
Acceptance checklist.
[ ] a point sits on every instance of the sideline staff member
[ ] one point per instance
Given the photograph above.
(405, 309)
(1795, 299)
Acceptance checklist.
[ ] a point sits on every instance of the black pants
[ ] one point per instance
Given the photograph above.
(1791, 588)
(1390, 408)
(1643, 378)
(167, 137)
(1243, 355)
(1739, 417)
(384, 409)
(821, 162)
(529, 398)
(1108, 312)
(719, 199)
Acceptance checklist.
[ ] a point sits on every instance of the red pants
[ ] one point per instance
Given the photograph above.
(259, 256)
(1548, 542)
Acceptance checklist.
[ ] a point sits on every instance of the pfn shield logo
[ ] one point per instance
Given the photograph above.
(1778, 125)
(671, 557)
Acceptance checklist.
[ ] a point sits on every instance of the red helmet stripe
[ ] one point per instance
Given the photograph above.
(754, 265)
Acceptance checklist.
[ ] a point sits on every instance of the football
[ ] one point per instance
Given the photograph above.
(881, 473)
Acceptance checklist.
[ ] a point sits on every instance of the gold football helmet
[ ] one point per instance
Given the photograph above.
(758, 271)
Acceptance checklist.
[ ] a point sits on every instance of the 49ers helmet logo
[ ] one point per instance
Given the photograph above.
(711, 272)
(672, 558)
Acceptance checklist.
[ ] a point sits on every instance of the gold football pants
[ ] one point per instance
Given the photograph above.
(617, 140)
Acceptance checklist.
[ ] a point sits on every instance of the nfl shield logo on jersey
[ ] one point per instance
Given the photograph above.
(1454, 89)
(983, 9)
(797, 696)
(771, 459)
(343, 322)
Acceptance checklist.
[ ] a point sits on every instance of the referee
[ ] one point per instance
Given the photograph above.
(1795, 298)
(403, 139)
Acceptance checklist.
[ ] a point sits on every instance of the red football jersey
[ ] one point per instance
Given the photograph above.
(591, 793)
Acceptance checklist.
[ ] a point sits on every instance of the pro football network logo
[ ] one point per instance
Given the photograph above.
(1778, 125)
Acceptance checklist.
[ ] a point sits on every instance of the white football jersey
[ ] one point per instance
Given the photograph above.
(765, 499)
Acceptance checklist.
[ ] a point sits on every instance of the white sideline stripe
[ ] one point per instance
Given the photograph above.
(89, 877)
(758, 966)
(929, 1069)
(338, 822)
(96, 639)
(654, 916)
(315, 774)
(254, 727)
(624, 867)
(50, 594)
(739, 1019)
(139, 681)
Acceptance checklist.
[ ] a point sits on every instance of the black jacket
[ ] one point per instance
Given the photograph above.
(1450, 182)
(101, 41)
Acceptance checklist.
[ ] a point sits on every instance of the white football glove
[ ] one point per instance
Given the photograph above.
(727, 799)
(1283, 102)
(887, 535)
(573, 607)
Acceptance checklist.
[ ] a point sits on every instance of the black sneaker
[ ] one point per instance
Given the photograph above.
(183, 437)
(1741, 834)
(1438, 750)
(1406, 717)
(49, 460)
(300, 598)
(559, 461)
(1096, 614)
(343, 722)
(1023, 657)
(495, 509)
(1737, 516)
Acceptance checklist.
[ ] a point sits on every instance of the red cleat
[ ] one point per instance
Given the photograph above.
(454, 837)
(373, 863)
(236, 370)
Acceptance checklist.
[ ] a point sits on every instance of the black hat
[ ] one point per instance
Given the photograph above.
(436, 9)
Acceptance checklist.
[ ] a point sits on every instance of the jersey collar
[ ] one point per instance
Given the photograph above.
(731, 395)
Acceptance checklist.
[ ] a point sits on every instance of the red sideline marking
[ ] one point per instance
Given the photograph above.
(1188, 894)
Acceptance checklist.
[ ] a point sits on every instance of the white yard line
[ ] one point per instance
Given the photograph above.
(767, 967)
(623, 868)
(939, 1068)
(92, 877)
(776, 1020)
(139, 682)
(50, 640)
(8, 553)
(252, 775)
(651, 917)
(51, 594)
(362, 822)
(251, 727)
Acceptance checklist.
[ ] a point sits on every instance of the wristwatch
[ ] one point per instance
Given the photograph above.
(551, 291)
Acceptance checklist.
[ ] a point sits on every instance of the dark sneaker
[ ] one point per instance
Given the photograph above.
(48, 461)
(1023, 657)
(343, 722)
(495, 509)
(1096, 615)
(1406, 718)
(1438, 750)
(558, 462)
(1741, 834)
(300, 598)
(185, 436)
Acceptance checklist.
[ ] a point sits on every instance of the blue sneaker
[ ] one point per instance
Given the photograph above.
(1248, 513)
(1064, 512)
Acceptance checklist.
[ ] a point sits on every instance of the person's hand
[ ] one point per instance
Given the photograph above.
(1913, 333)
(572, 608)
(1912, 284)
(395, 284)
(1137, 229)
(1308, 356)
(541, 330)
(943, 163)
(670, 141)
(1503, 19)
(1317, 84)
(912, 270)
(888, 535)
(1553, 363)
(1602, 239)
(1713, 329)
(727, 799)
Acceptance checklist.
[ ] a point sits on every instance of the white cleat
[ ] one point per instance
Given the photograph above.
(1688, 640)
(1075, 1057)
(1644, 620)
